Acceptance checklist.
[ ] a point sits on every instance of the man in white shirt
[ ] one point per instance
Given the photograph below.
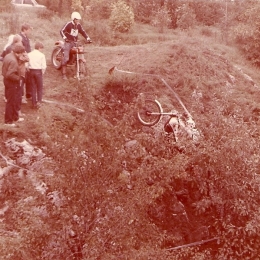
(37, 66)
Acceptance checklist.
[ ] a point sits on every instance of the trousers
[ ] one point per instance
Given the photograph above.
(36, 85)
(11, 92)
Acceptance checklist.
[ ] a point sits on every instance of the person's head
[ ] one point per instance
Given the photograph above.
(10, 41)
(38, 46)
(26, 29)
(76, 17)
(17, 39)
(18, 50)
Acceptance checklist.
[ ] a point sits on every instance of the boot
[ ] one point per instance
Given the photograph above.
(64, 71)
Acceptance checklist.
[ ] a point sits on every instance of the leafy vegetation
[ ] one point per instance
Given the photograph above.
(115, 189)
(122, 17)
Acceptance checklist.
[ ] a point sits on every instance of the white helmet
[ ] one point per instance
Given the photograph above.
(75, 15)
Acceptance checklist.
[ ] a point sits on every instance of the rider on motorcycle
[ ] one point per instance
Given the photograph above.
(69, 33)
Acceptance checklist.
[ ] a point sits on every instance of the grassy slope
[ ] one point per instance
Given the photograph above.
(187, 63)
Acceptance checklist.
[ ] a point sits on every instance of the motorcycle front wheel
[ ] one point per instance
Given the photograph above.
(56, 57)
(150, 112)
(82, 68)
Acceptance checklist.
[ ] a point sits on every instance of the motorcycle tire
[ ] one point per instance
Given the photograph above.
(56, 57)
(150, 113)
(82, 68)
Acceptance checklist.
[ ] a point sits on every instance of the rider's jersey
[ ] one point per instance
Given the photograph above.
(71, 30)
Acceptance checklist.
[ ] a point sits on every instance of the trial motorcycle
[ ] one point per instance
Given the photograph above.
(76, 57)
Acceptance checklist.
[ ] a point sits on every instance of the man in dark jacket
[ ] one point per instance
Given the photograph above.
(11, 78)
(69, 33)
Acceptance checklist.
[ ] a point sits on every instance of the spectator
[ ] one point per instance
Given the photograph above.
(11, 78)
(37, 66)
(26, 30)
(17, 39)
(9, 42)
(25, 33)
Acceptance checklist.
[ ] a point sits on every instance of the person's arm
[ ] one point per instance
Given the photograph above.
(24, 57)
(64, 32)
(83, 33)
(12, 72)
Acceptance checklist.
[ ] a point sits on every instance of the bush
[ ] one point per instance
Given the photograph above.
(186, 17)
(76, 5)
(100, 9)
(122, 17)
(247, 34)
(172, 6)
(208, 13)
(144, 10)
(162, 19)
(100, 31)
(6, 7)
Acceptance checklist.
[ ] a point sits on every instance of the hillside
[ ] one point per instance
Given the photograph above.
(99, 185)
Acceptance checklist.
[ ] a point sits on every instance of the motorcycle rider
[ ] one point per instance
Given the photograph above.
(69, 33)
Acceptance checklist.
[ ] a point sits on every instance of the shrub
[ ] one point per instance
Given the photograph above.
(100, 31)
(161, 19)
(208, 13)
(76, 5)
(247, 34)
(122, 17)
(6, 6)
(172, 6)
(186, 17)
(144, 10)
(100, 9)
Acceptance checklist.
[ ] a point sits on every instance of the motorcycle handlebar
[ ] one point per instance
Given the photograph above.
(76, 42)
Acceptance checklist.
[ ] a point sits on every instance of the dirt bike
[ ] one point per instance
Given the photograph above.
(76, 57)
(150, 112)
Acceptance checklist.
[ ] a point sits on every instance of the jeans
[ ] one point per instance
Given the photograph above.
(26, 84)
(36, 85)
(11, 112)
(19, 94)
(67, 47)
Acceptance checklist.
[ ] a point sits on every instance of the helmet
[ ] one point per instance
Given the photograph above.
(75, 15)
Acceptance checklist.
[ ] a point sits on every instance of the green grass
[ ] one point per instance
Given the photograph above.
(119, 175)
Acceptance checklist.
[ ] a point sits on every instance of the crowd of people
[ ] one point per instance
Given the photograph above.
(23, 68)
(22, 71)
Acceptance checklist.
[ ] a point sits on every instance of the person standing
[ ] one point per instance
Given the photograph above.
(37, 67)
(11, 78)
(23, 59)
(9, 42)
(17, 39)
(26, 30)
(69, 33)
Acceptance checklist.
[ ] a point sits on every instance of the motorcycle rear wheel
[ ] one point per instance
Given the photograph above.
(56, 57)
